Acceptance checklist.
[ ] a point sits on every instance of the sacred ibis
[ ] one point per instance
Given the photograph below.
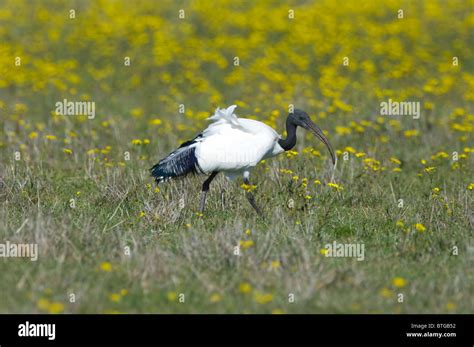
(233, 146)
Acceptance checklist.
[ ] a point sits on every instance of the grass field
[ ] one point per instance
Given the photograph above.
(111, 241)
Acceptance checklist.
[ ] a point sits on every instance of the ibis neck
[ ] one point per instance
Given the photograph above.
(290, 140)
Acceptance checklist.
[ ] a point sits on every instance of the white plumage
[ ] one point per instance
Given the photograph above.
(234, 145)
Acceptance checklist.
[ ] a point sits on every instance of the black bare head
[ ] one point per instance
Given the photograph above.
(301, 118)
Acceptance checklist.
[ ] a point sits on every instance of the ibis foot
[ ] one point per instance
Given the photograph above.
(251, 199)
(250, 196)
(203, 202)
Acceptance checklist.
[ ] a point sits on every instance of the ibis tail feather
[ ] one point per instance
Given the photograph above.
(179, 163)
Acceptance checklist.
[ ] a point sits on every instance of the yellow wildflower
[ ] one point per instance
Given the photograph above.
(395, 161)
(56, 307)
(215, 298)
(411, 133)
(430, 169)
(350, 149)
(386, 293)
(156, 121)
(136, 112)
(450, 306)
(246, 243)
(106, 266)
(419, 227)
(277, 311)
(171, 296)
(275, 264)
(248, 187)
(262, 298)
(336, 186)
(400, 224)
(399, 282)
(115, 297)
(245, 288)
(43, 304)
(341, 130)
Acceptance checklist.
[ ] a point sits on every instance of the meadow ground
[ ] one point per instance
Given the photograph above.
(110, 241)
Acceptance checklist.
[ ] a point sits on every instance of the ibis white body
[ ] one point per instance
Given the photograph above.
(229, 144)
(235, 145)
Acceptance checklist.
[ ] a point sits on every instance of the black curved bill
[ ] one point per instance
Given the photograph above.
(319, 134)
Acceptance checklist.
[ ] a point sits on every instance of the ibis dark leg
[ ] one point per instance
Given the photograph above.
(251, 198)
(205, 188)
